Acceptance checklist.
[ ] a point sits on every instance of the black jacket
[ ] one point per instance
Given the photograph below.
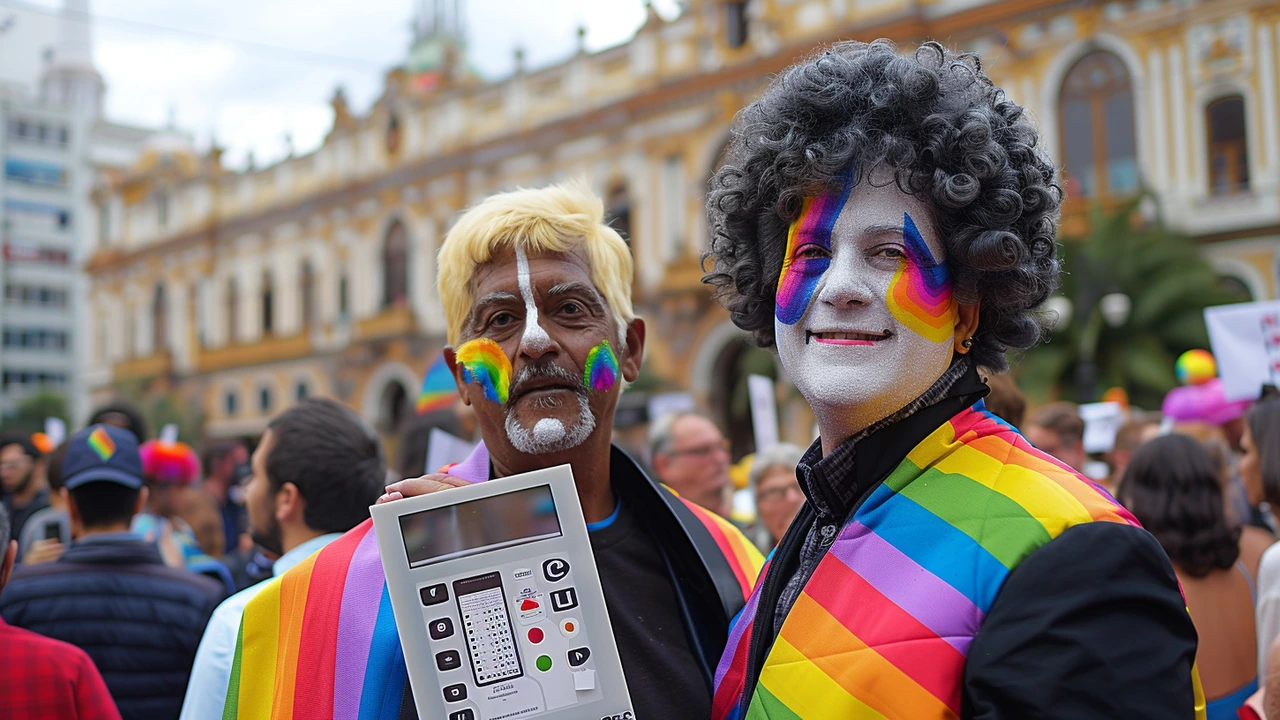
(1090, 625)
(704, 581)
(139, 620)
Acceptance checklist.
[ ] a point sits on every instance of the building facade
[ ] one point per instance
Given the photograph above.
(54, 144)
(245, 291)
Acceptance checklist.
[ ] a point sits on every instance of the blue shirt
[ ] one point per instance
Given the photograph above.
(211, 674)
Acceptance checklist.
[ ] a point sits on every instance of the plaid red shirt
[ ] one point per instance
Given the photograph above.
(46, 679)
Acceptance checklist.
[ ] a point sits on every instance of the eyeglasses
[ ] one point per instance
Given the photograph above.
(702, 451)
(15, 464)
(775, 494)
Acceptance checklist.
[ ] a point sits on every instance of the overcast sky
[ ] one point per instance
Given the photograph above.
(249, 71)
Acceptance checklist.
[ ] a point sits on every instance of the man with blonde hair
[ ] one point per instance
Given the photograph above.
(542, 337)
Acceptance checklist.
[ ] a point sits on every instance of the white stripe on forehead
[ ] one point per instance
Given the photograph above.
(535, 338)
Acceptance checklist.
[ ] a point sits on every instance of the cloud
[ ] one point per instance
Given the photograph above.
(248, 72)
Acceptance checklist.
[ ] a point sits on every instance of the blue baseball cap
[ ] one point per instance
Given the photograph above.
(102, 453)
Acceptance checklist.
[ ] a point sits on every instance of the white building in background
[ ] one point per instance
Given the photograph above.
(28, 41)
(54, 146)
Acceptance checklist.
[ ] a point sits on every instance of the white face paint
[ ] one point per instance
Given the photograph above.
(549, 435)
(535, 338)
(848, 354)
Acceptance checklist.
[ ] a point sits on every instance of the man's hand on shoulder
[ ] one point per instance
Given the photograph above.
(413, 487)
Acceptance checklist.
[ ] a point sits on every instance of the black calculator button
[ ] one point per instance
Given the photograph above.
(578, 657)
(434, 594)
(565, 599)
(555, 569)
(466, 714)
(455, 693)
(448, 660)
(441, 629)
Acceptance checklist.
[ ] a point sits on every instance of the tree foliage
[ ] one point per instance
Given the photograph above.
(30, 414)
(1169, 283)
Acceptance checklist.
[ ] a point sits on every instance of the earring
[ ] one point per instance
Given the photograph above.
(967, 343)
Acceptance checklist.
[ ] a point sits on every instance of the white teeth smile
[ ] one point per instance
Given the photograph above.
(869, 337)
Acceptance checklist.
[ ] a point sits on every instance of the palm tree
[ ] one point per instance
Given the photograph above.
(1168, 285)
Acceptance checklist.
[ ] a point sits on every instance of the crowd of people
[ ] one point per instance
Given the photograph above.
(885, 223)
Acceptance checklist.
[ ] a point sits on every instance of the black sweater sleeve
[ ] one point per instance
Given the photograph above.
(1091, 625)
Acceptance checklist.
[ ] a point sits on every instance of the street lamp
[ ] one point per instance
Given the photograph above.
(1061, 307)
(1115, 308)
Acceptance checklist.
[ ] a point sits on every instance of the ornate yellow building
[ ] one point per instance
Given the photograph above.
(316, 275)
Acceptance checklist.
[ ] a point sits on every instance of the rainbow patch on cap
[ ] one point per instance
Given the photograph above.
(102, 444)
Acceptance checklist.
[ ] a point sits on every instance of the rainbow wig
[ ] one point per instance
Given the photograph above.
(168, 463)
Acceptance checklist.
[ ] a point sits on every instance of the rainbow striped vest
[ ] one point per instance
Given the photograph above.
(883, 626)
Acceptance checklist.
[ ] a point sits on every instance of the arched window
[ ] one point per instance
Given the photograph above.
(618, 212)
(1236, 286)
(159, 319)
(130, 335)
(268, 304)
(233, 312)
(307, 294)
(735, 20)
(394, 408)
(1228, 146)
(301, 391)
(1099, 145)
(229, 402)
(393, 134)
(264, 399)
(344, 298)
(395, 266)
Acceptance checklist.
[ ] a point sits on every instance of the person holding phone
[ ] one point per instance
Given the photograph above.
(48, 531)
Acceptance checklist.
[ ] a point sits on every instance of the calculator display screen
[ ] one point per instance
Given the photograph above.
(486, 625)
(476, 526)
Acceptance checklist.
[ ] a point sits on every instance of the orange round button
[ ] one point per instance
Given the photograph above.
(569, 627)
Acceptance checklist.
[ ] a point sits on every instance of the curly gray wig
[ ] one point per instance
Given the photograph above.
(950, 137)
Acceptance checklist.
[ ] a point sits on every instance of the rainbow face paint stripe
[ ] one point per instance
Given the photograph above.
(601, 370)
(102, 444)
(485, 364)
(799, 279)
(919, 294)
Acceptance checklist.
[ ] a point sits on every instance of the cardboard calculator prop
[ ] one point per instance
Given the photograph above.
(498, 603)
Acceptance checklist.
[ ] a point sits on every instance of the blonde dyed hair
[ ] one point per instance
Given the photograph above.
(556, 218)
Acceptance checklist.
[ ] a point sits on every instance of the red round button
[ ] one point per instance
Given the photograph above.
(535, 635)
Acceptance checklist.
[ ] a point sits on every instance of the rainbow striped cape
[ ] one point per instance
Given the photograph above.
(883, 626)
(320, 641)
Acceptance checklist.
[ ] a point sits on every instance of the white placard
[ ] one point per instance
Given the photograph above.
(764, 411)
(56, 430)
(445, 449)
(1101, 423)
(1241, 336)
(169, 434)
(664, 404)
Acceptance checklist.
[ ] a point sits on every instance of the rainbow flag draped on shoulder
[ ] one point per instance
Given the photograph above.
(320, 641)
(883, 627)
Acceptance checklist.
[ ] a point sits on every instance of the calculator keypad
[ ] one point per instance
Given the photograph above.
(487, 628)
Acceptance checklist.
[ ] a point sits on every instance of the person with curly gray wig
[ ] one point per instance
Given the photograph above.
(887, 222)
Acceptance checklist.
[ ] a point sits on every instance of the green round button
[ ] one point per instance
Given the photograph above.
(544, 663)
